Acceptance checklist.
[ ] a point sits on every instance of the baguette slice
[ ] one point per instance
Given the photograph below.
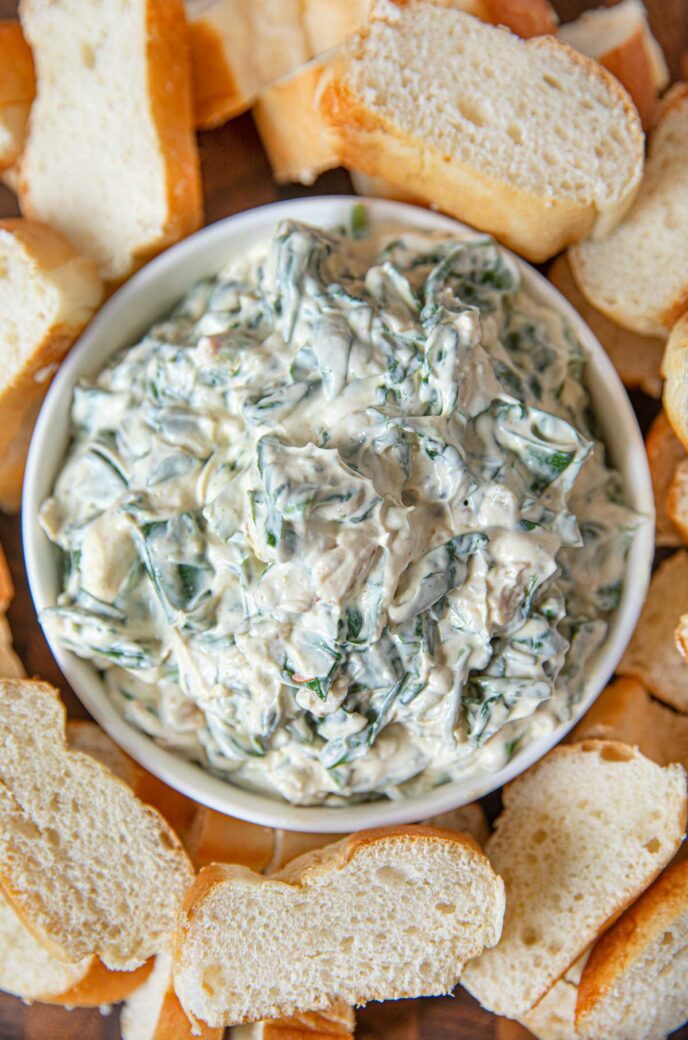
(329, 22)
(638, 275)
(29, 971)
(652, 656)
(626, 712)
(582, 833)
(88, 868)
(553, 1018)
(111, 160)
(620, 38)
(664, 453)
(48, 293)
(153, 1011)
(675, 368)
(635, 983)
(297, 137)
(239, 47)
(544, 153)
(17, 89)
(637, 359)
(677, 499)
(353, 921)
(216, 838)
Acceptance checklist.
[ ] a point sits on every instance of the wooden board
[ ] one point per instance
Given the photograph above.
(236, 176)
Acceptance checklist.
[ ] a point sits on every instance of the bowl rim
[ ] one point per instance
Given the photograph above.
(47, 452)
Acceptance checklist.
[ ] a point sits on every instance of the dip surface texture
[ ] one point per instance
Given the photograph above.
(340, 527)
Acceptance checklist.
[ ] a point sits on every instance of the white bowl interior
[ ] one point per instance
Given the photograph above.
(121, 322)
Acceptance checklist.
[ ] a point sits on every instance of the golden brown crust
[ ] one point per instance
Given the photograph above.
(630, 62)
(216, 93)
(675, 368)
(297, 138)
(6, 583)
(18, 80)
(169, 85)
(664, 453)
(526, 18)
(534, 227)
(642, 923)
(101, 986)
(216, 838)
(173, 1024)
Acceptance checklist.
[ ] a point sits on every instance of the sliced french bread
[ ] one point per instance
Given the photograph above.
(153, 1011)
(546, 152)
(677, 499)
(652, 656)
(48, 293)
(88, 867)
(635, 983)
(675, 368)
(239, 47)
(297, 137)
(620, 38)
(626, 712)
(29, 971)
(554, 1017)
(664, 453)
(216, 838)
(114, 94)
(353, 921)
(17, 89)
(582, 833)
(637, 275)
(637, 359)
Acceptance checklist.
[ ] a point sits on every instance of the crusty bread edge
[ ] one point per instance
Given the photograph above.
(641, 923)
(675, 371)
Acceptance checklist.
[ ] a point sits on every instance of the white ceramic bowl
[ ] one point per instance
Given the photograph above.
(123, 319)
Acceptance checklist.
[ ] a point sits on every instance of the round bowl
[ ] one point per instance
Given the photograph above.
(121, 322)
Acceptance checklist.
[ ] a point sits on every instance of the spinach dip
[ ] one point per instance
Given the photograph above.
(341, 526)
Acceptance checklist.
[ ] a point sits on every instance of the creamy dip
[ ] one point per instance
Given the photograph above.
(341, 526)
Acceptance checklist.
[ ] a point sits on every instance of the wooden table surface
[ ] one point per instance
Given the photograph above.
(236, 176)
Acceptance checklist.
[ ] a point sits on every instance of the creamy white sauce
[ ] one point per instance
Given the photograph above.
(339, 528)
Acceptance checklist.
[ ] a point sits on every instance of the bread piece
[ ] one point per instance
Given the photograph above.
(89, 869)
(582, 833)
(329, 22)
(17, 89)
(675, 369)
(352, 921)
(664, 453)
(467, 819)
(297, 137)
(677, 499)
(239, 47)
(652, 657)
(114, 95)
(637, 275)
(553, 1018)
(153, 1012)
(620, 38)
(29, 971)
(10, 665)
(216, 838)
(635, 981)
(636, 358)
(48, 293)
(541, 155)
(626, 712)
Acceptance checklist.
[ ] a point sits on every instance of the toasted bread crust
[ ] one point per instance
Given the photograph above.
(654, 912)
(216, 838)
(535, 18)
(630, 62)
(17, 88)
(216, 93)
(169, 84)
(101, 986)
